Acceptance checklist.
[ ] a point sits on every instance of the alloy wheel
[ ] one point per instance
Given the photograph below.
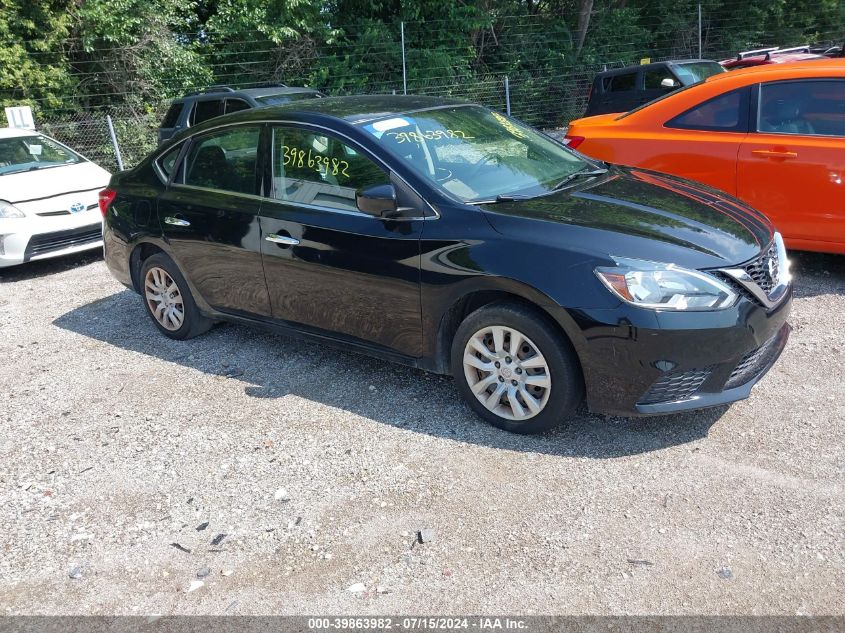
(164, 299)
(507, 372)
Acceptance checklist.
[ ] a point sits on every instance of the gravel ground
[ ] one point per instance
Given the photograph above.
(289, 478)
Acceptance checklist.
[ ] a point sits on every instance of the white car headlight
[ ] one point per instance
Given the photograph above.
(8, 210)
(665, 286)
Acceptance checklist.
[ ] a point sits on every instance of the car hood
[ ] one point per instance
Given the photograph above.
(642, 214)
(54, 181)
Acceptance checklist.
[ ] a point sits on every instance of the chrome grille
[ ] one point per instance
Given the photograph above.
(47, 214)
(675, 386)
(764, 269)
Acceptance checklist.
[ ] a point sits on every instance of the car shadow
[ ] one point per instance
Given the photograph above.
(817, 273)
(272, 366)
(42, 267)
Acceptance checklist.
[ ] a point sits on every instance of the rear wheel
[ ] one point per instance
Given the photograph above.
(514, 369)
(168, 299)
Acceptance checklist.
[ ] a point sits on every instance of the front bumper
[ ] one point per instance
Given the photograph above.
(637, 362)
(29, 239)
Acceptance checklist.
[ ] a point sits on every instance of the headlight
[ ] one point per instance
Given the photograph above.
(8, 210)
(665, 286)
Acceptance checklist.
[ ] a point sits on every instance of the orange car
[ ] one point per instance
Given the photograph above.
(773, 136)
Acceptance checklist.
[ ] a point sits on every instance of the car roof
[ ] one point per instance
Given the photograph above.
(651, 66)
(352, 110)
(272, 90)
(797, 67)
(12, 132)
(262, 91)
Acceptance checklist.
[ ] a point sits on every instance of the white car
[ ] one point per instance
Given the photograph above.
(48, 198)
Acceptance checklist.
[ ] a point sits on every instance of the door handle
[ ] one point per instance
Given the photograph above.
(770, 153)
(281, 239)
(176, 221)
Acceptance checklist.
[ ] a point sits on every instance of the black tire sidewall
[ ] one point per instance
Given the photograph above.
(564, 369)
(193, 322)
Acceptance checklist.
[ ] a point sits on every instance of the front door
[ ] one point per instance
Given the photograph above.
(330, 267)
(793, 167)
(209, 217)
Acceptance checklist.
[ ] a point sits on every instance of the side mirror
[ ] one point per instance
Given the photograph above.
(668, 82)
(379, 200)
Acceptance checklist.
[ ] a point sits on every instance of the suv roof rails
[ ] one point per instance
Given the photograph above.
(271, 84)
(758, 51)
(794, 49)
(211, 89)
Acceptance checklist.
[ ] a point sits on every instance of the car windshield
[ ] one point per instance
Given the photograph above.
(31, 152)
(475, 154)
(270, 100)
(694, 72)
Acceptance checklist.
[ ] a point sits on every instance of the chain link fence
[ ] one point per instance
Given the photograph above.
(88, 133)
(548, 97)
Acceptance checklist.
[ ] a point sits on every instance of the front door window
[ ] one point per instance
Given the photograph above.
(314, 169)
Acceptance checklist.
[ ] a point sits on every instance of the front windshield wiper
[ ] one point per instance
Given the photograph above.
(578, 174)
(33, 168)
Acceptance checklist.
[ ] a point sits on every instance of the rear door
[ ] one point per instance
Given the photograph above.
(792, 167)
(330, 267)
(209, 217)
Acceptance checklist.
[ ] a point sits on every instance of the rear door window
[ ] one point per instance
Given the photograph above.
(167, 162)
(809, 107)
(205, 110)
(236, 105)
(224, 161)
(726, 113)
(621, 83)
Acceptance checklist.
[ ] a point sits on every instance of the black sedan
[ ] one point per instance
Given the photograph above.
(455, 239)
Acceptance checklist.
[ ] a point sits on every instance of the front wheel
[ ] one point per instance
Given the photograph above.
(515, 370)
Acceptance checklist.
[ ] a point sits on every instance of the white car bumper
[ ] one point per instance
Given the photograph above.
(37, 237)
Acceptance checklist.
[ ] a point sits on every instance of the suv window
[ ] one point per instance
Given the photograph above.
(620, 83)
(312, 168)
(810, 107)
(205, 110)
(172, 116)
(224, 160)
(236, 105)
(653, 78)
(725, 113)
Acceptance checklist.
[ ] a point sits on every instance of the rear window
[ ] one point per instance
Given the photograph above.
(269, 100)
(172, 116)
(726, 113)
(205, 110)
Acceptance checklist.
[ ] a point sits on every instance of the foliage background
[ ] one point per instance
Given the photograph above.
(74, 60)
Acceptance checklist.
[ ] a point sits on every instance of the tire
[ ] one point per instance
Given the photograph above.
(544, 369)
(175, 314)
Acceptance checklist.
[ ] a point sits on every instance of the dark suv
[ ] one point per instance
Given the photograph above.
(197, 107)
(624, 89)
